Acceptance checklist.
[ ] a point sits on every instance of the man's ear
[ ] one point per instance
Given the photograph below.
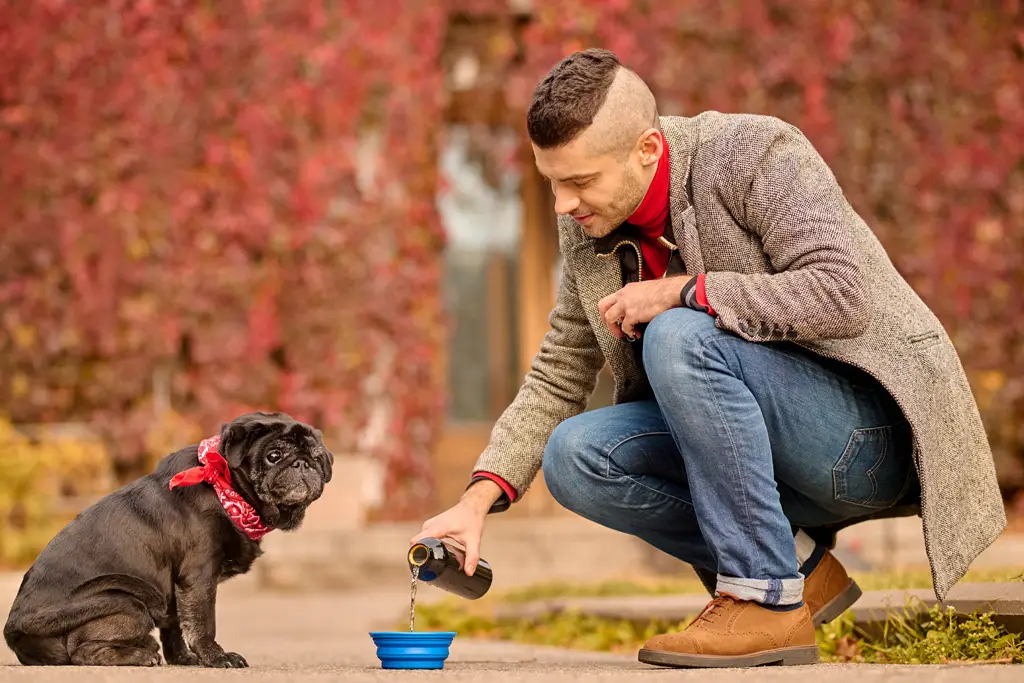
(651, 146)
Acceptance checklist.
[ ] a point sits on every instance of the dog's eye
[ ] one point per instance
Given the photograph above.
(274, 457)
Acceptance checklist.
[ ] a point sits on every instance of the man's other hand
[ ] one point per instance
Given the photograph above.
(639, 302)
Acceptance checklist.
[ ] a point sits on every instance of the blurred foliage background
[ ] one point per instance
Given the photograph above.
(209, 207)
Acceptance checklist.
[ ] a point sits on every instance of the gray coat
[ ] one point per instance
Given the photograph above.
(786, 257)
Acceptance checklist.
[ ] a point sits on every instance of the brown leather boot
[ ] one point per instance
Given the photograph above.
(736, 633)
(829, 591)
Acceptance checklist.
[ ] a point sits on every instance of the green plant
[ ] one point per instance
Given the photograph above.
(36, 472)
(943, 636)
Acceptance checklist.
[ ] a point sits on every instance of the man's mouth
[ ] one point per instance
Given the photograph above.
(584, 219)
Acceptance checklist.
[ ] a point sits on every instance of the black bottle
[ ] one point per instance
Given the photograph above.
(442, 565)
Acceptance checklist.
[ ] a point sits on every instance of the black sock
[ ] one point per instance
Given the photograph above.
(812, 562)
(783, 608)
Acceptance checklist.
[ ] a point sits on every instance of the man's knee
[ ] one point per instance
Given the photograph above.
(569, 463)
(673, 343)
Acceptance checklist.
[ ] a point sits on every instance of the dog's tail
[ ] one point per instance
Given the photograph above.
(99, 597)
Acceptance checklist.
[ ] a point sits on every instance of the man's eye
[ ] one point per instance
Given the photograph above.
(584, 184)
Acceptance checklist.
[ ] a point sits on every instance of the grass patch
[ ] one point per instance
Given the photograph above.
(868, 581)
(568, 629)
(604, 589)
(936, 637)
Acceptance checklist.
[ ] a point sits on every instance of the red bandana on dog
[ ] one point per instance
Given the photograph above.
(213, 469)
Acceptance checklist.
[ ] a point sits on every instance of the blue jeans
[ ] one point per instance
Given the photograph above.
(741, 445)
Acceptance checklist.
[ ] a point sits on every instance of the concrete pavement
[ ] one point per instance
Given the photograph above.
(323, 637)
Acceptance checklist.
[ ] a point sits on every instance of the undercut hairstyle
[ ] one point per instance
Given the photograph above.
(568, 99)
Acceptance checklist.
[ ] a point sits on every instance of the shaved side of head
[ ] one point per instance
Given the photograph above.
(629, 109)
(591, 93)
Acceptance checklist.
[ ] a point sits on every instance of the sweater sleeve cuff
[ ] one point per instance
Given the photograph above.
(508, 494)
(702, 295)
(693, 295)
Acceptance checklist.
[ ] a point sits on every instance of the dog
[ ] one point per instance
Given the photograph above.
(151, 554)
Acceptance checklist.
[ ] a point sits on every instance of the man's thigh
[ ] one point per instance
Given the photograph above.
(839, 441)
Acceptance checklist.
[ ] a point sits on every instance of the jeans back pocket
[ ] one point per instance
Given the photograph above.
(875, 467)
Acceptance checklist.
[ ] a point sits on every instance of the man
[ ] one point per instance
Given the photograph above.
(776, 379)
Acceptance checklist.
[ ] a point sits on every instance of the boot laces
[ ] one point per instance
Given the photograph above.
(714, 609)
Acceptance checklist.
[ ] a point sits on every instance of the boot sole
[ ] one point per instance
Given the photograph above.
(837, 605)
(788, 656)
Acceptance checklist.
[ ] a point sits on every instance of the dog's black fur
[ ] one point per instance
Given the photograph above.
(146, 557)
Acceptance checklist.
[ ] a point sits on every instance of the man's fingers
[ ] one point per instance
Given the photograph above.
(606, 303)
(627, 328)
(612, 317)
(419, 537)
(613, 312)
(472, 556)
(431, 529)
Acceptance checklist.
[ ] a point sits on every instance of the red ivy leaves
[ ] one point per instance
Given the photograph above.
(179, 188)
(180, 184)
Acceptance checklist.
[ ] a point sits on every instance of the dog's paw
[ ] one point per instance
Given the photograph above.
(228, 660)
(184, 658)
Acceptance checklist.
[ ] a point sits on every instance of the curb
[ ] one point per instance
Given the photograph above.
(1005, 601)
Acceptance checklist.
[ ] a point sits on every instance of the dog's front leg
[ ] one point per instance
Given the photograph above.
(196, 596)
(176, 652)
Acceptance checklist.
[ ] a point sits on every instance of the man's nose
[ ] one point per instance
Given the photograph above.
(566, 202)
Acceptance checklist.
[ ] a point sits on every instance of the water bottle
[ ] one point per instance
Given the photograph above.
(441, 565)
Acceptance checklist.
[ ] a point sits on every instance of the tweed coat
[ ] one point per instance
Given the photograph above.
(754, 206)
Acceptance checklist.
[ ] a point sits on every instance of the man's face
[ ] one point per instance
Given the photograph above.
(600, 191)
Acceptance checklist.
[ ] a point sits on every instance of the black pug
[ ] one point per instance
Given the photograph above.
(151, 554)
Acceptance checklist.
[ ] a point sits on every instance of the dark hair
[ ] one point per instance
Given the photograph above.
(566, 101)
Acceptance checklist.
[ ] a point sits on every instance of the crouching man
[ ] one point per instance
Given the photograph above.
(776, 379)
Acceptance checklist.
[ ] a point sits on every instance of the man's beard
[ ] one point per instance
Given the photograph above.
(623, 205)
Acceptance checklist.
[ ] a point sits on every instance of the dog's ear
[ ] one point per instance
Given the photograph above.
(237, 437)
(328, 456)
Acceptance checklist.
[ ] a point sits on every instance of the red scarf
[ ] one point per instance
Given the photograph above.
(651, 217)
(213, 469)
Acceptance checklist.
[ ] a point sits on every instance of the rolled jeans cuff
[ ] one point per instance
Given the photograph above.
(764, 591)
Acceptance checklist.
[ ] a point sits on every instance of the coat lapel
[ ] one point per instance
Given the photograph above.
(681, 138)
(597, 277)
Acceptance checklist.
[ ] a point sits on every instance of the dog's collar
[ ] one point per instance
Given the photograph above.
(213, 469)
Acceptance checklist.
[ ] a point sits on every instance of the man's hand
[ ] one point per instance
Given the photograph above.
(464, 522)
(639, 302)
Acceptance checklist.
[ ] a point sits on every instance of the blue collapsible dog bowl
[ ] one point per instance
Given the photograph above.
(412, 649)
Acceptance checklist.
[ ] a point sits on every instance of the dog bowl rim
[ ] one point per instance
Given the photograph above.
(415, 634)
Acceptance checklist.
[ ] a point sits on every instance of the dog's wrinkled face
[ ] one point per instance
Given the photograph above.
(277, 463)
